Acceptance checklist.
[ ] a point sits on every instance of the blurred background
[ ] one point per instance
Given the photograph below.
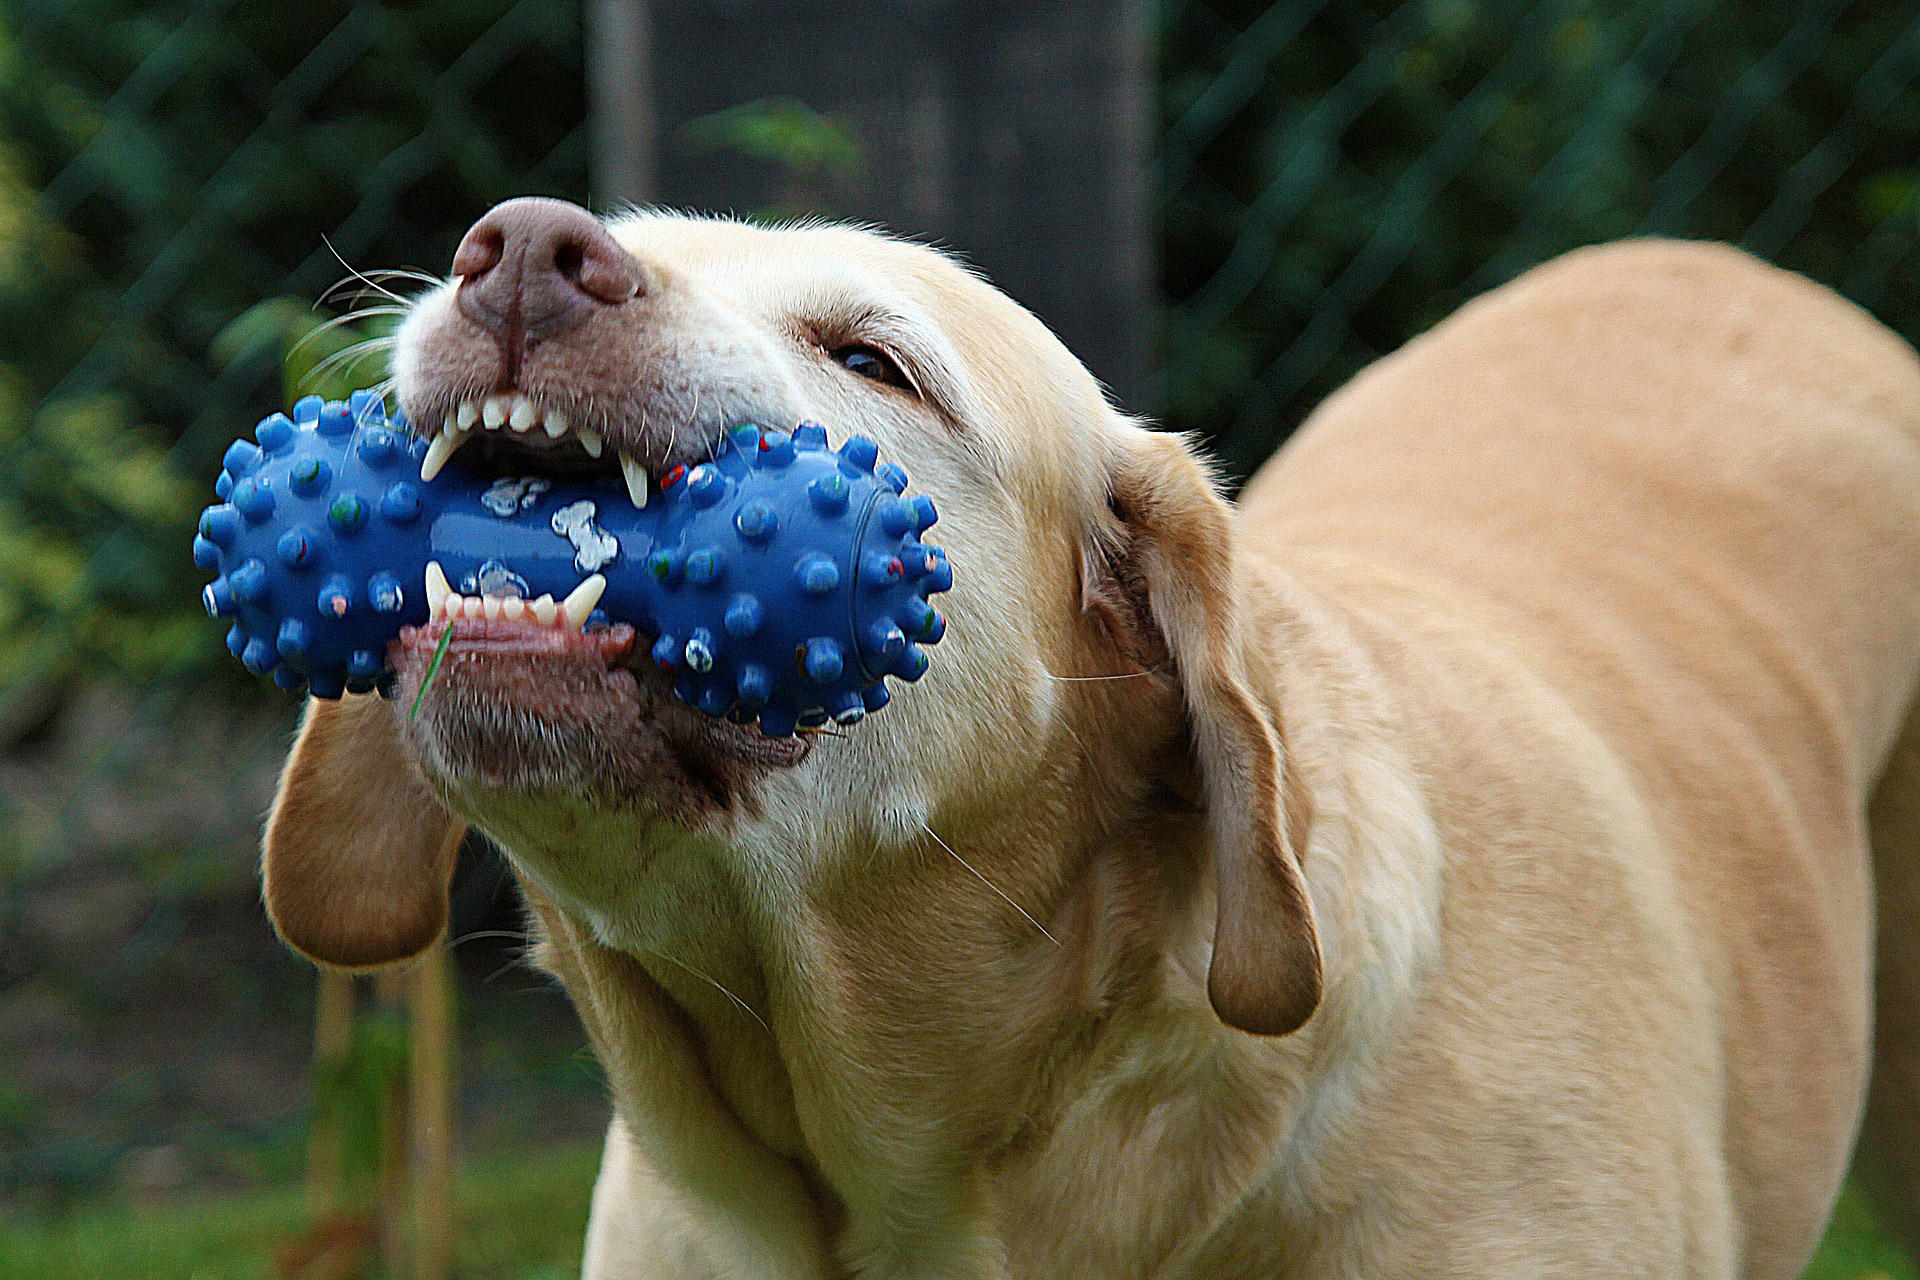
(1226, 207)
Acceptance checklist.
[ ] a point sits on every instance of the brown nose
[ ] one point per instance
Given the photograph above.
(534, 266)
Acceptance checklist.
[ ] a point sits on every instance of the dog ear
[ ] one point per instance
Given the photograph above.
(1163, 579)
(358, 854)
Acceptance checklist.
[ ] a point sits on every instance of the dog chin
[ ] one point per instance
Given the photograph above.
(521, 709)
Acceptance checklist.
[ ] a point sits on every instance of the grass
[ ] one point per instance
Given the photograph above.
(521, 1218)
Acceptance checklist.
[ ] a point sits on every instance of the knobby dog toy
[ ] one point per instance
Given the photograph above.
(781, 581)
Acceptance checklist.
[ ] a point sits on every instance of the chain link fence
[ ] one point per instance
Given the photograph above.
(1334, 177)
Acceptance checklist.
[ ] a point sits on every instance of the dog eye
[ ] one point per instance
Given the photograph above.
(873, 363)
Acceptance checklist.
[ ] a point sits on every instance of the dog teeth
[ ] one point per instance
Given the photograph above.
(544, 610)
(495, 411)
(580, 601)
(512, 607)
(439, 451)
(438, 589)
(525, 415)
(636, 479)
(589, 440)
(466, 415)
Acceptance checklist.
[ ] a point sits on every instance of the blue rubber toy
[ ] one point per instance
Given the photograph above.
(780, 582)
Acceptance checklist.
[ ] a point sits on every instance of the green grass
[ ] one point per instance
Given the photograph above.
(521, 1218)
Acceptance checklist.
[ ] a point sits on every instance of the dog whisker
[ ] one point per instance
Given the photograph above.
(990, 884)
(359, 275)
(744, 1006)
(1121, 675)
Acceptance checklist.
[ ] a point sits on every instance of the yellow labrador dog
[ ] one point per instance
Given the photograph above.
(1451, 861)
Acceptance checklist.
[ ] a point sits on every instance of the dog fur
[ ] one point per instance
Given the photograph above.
(1451, 860)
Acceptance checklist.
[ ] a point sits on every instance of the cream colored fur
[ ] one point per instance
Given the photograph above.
(1517, 726)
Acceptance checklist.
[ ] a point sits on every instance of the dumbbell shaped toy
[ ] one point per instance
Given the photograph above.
(781, 581)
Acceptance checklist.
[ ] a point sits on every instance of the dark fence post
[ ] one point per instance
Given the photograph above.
(1015, 133)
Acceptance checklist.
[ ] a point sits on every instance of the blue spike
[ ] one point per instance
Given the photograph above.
(217, 599)
(241, 457)
(714, 700)
(817, 575)
(335, 598)
(206, 554)
(912, 663)
(367, 407)
(884, 640)
(274, 433)
(878, 569)
(924, 514)
(699, 650)
(385, 593)
(596, 619)
(744, 616)
(809, 435)
(705, 485)
(706, 566)
(377, 446)
(776, 723)
(236, 639)
(295, 547)
(687, 689)
(365, 684)
(307, 409)
(918, 560)
(739, 714)
(846, 708)
(664, 563)
(875, 696)
(892, 476)
(917, 617)
(249, 581)
(935, 629)
(400, 504)
(823, 663)
(364, 664)
(776, 450)
(219, 524)
(813, 717)
(829, 494)
(223, 485)
(756, 521)
(940, 578)
(253, 499)
(309, 476)
(744, 438)
(398, 421)
(287, 678)
(293, 639)
(860, 453)
(335, 419)
(259, 655)
(323, 685)
(666, 653)
(754, 685)
(897, 516)
(347, 512)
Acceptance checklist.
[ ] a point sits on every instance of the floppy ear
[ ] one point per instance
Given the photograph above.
(358, 854)
(1164, 575)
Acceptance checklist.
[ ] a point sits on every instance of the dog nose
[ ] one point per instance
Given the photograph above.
(534, 266)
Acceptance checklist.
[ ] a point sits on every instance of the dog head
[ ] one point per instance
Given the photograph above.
(1097, 628)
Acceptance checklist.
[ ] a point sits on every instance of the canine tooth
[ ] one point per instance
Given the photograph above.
(543, 610)
(580, 601)
(636, 479)
(439, 451)
(512, 607)
(495, 411)
(590, 441)
(524, 415)
(437, 589)
(467, 414)
(556, 424)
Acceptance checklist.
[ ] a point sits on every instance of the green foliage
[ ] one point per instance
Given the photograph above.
(810, 151)
(1337, 178)
(164, 168)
